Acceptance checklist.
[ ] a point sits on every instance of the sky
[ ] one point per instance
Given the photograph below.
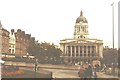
(54, 20)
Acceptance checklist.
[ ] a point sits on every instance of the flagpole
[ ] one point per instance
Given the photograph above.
(113, 32)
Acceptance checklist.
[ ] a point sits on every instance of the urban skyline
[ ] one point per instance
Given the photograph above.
(51, 25)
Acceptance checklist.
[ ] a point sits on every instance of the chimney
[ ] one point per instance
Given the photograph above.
(12, 31)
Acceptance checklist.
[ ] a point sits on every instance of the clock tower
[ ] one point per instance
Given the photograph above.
(81, 27)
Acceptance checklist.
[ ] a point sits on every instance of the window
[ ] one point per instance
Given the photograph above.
(13, 51)
(10, 50)
(81, 51)
(92, 51)
(80, 47)
(68, 54)
(81, 36)
(84, 54)
(84, 47)
(73, 55)
(76, 54)
(92, 47)
(76, 51)
(68, 49)
(84, 51)
(88, 48)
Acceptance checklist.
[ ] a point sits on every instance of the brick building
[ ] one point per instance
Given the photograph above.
(23, 41)
(4, 40)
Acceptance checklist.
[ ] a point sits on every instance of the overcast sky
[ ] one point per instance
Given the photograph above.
(54, 20)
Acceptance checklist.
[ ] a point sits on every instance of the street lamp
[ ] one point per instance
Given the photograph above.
(36, 64)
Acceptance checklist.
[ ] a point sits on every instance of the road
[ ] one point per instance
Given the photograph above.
(58, 73)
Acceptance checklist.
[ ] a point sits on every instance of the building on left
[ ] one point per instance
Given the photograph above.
(14, 42)
(4, 40)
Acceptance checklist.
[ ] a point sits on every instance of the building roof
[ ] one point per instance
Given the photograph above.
(81, 40)
(81, 18)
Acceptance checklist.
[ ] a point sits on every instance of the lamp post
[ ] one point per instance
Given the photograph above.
(36, 64)
(113, 33)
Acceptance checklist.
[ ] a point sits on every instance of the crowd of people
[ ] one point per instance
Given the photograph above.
(87, 72)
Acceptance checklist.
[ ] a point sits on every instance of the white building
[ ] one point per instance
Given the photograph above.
(81, 49)
(12, 41)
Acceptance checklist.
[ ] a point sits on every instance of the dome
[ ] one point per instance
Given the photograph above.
(81, 18)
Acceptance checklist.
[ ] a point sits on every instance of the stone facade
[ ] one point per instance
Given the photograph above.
(12, 41)
(81, 49)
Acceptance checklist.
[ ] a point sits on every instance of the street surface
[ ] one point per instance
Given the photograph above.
(61, 73)
(57, 73)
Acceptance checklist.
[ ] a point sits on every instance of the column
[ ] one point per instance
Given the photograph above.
(71, 50)
(87, 51)
(90, 51)
(82, 51)
(79, 51)
(95, 52)
(66, 54)
(74, 51)
(98, 50)
(65, 49)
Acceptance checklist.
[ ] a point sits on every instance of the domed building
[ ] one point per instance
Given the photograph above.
(81, 49)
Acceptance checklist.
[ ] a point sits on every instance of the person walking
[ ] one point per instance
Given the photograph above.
(90, 72)
(95, 75)
(85, 73)
(81, 72)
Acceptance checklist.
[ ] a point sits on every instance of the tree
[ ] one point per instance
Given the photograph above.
(110, 56)
(33, 48)
(45, 52)
(51, 53)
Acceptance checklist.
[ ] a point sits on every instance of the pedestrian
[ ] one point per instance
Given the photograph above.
(95, 75)
(81, 72)
(90, 72)
(85, 73)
